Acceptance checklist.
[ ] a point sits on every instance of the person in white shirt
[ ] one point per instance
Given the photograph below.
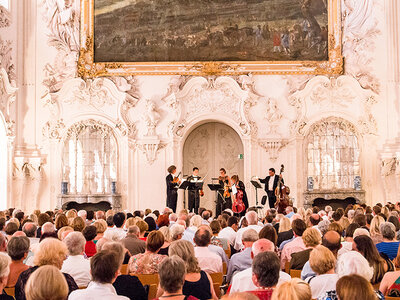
(229, 232)
(116, 233)
(76, 264)
(242, 281)
(104, 267)
(208, 260)
(252, 220)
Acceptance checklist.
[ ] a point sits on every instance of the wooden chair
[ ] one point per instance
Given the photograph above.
(217, 289)
(287, 267)
(148, 279)
(391, 298)
(152, 291)
(295, 273)
(82, 287)
(217, 279)
(376, 286)
(228, 252)
(10, 291)
(224, 268)
(124, 269)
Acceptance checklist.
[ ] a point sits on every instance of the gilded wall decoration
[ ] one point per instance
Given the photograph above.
(210, 38)
(5, 17)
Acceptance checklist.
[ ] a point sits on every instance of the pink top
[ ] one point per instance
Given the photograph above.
(145, 263)
(294, 246)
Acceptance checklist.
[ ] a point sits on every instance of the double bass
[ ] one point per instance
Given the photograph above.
(282, 194)
(238, 205)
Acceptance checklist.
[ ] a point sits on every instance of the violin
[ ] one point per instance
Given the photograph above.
(282, 194)
(227, 194)
(176, 179)
(201, 192)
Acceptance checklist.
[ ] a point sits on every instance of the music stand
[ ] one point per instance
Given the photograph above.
(184, 185)
(216, 188)
(257, 186)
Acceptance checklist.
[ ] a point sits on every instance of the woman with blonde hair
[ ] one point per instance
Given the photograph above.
(167, 240)
(4, 272)
(130, 222)
(49, 252)
(374, 229)
(302, 212)
(285, 231)
(71, 214)
(46, 283)
(197, 282)
(78, 224)
(101, 227)
(295, 289)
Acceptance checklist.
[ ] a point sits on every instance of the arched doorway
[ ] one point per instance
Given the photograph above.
(209, 147)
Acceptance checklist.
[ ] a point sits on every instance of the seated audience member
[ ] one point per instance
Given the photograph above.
(167, 239)
(311, 238)
(242, 260)
(162, 221)
(78, 224)
(323, 226)
(390, 284)
(265, 276)
(208, 260)
(240, 296)
(125, 285)
(353, 287)
(323, 264)
(176, 232)
(215, 226)
(101, 227)
(354, 263)
(147, 263)
(61, 221)
(30, 231)
(389, 246)
(360, 231)
(330, 240)
(197, 282)
(4, 273)
(347, 244)
(269, 233)
(143, 227)
(375, 231)
(132, 241)
(46, 283)
(104, 267)
(214, 248)
(296, 245)
(242, 281)
(89, 217)
(90, 233)
(76, 264)
(10, 229)
(151, 222)
(252, 220)
(294, 289)
(118, 229)
(172, 277)
(366, 247)
(17, 249)
(229, 232)
(49, 252)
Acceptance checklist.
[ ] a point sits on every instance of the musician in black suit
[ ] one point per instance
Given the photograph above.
(271, 183)
(194, 193)
(172, 190)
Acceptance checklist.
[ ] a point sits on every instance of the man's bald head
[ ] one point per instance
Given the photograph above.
(19, 233)
(314, 219)
(29, 229)
(181, 222)
(48, 227)
(262, 245)
(202, 237)
(332, 241)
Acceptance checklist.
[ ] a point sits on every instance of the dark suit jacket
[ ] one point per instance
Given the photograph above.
(266, 181)
(170, 185)
(299, 259)
(283, 236)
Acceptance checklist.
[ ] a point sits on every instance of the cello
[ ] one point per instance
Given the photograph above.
(237, 205)
(282, 194)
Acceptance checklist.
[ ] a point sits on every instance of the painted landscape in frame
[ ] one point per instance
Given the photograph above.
(221, 36)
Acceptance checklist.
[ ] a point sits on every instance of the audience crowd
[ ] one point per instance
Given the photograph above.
(318, 253)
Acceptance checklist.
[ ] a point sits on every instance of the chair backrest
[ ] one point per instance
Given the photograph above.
(152, 291)
(148, 279)
(287, 267)
(124, 269)
(217, 289)
(216, 277)
(10, 291)
(224, 268)
(376, 286)
(391, 298)
(295, 273)
(228, 252)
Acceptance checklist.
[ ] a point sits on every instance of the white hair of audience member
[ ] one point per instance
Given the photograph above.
(82, 213)
(48, 227)
(117, 248)
(229, 211)
(350, 213)
(173, 217)
(134, 230)
(175, 231)
(167, 210)
(249, 235)
(99, 214)
(328, 208)
(15, 212)
(75, 242)
(112, 235)
(262, 245)
(353, 262)
(5, 262)
(322, 213)
(394, 213)
(388, 230)
(252, 218)
(323, 226)
(295, 217)
(360, 231)
(302, 212)
(153, 216)
(196, 221)
(100, 243)
(181, 222)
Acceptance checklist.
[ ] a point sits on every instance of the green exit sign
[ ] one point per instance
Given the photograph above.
(240, 156)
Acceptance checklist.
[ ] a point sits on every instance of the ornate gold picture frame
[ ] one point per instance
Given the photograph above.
(249, 34)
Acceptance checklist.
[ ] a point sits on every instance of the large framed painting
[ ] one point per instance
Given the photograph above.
(219, 37)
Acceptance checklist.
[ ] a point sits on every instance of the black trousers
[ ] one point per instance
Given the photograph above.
(271, 199)
(194, 200)
(172, 198)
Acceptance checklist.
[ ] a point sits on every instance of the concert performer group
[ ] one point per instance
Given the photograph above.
(231, 192)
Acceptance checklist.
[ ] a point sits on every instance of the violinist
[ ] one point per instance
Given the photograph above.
(238, 189)
(194, 193)
(271, 182)
(224, 195)
(172, 188)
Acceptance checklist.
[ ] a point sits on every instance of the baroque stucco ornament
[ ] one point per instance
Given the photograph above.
(5, 17)
(210, 98)
(7, 98)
